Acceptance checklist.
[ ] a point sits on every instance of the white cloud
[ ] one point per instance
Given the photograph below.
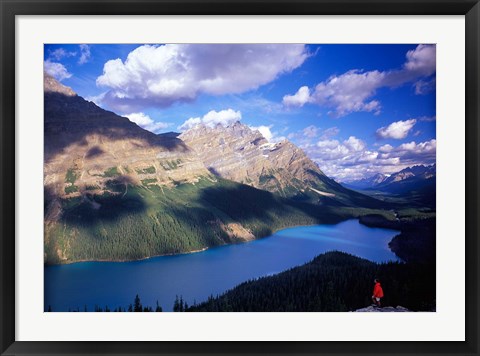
(385, 148)
(223, 117)
(146, 122)
(330, 132)
(423, 87)
(352, 159)
(84, 54)
(349, 92)
(427, 118)
(353, 91)
(412, 149)
(422, 60)
(56, 70)
(396, 130)
(264, 130)
(300, 98)
(161, 75)
(97, 99)
(354, 144)
(60, 53)
(213, 118)
(334, 150)
(311, 131)
(188, 124)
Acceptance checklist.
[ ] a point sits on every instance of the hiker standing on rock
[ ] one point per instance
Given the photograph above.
(377, 293)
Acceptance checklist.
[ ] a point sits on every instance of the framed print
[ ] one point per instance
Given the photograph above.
(213, 177)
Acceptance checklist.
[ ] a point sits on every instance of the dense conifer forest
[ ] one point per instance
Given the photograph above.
(332, 282)
(143, 221)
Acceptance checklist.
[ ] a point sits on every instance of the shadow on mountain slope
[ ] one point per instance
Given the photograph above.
(70, 119)
(247, 204)
(112, 205)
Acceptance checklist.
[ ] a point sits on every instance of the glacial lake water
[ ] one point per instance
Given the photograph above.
(196, 276)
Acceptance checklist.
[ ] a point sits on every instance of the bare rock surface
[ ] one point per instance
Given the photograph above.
(238, 153)
(87, 147)
(372, 309)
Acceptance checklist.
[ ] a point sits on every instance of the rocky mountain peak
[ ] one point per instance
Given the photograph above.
(236, 129)
(87, 149)
(242, 154)
(51, 85)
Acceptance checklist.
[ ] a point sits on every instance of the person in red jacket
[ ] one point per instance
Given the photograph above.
(377, 293)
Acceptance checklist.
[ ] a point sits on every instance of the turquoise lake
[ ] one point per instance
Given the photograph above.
(196, 276)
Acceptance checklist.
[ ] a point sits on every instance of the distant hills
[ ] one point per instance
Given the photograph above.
(366, 183)
(114, 191)
(416, 182)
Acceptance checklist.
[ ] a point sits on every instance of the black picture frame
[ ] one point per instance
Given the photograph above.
(10, 8)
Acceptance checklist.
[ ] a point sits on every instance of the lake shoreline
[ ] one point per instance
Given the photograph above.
(359, 219)
(196, 276)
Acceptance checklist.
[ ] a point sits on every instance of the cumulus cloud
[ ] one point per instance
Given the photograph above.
(213, 118)
(84, 54)
(56, 70)
(385, 148)
(412, 150)
(146, 122)
(155, 75)
(349, 92)
(422, 60)
(300, 98)
(97, 99)
(265, 131)
(396, 130)
(354, 144)
(334, 150)
(352, 159)
(354, 90)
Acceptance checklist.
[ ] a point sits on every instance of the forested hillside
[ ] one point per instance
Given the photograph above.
(143, 221)
(331, 282)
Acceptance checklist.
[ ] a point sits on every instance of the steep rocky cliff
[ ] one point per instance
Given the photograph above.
(87, 147)
(114, 191)
(241, 154)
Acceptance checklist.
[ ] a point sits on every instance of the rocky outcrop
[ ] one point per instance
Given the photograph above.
(51, 85)
(372, 309)
(88, 148)
(238, 153)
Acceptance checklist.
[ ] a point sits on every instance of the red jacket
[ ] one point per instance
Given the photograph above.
(378, 291)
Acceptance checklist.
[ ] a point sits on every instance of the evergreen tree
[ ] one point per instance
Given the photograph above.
(176, 304)
(137, 305)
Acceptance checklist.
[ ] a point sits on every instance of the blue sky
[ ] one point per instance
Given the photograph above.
(356, 110)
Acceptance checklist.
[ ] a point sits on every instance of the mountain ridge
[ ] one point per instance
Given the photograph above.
(114, 191)
(239, 153)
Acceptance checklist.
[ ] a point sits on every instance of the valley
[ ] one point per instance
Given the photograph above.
(239, 177)
(116, 192)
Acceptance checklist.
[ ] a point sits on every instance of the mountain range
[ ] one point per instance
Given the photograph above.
(416, 182)
(114, 191)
